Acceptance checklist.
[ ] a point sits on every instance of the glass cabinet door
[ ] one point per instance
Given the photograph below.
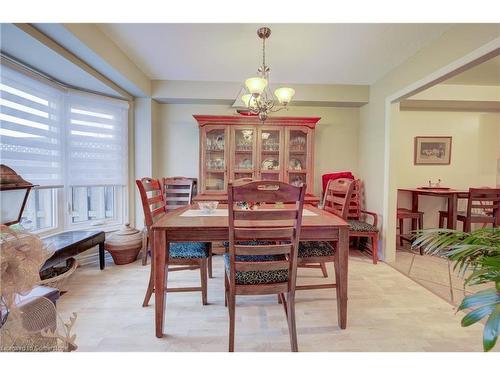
(214, 147)
(243, 153)
(270, 154)
(298, 160)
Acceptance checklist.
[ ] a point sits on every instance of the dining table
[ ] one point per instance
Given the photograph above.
(450, 194)
(188, 224)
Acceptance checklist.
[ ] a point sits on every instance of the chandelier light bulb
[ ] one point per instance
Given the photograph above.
(284, 94)
(256, 85)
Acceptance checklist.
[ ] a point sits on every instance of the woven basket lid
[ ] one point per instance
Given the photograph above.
(127, 236)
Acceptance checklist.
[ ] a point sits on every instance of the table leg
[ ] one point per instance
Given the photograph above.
(101, 256)
(414, 208)
(341, 265)
(159, 259)
(452, 211)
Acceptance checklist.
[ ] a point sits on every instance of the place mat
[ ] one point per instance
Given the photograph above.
(224, 212)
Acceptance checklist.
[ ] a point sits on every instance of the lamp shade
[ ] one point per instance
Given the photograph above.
(256, 85)
(14, 192)
(284, 94)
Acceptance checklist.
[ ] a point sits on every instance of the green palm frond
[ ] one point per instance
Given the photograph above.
(476, 258)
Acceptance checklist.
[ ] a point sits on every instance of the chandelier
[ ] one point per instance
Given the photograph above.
(258, 99)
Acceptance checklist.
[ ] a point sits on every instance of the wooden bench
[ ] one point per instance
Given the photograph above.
(69, 244)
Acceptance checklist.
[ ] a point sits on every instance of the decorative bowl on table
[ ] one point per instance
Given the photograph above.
(208, 207)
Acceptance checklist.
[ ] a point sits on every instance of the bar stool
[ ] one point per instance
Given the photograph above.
(403, 214)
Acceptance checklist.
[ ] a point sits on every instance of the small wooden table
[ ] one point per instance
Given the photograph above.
(175, 228)
(452, 195)
(69, 244)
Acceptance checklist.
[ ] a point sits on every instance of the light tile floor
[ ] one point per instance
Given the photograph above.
(387, 312)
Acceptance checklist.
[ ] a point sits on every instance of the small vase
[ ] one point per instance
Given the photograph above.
(124, 245)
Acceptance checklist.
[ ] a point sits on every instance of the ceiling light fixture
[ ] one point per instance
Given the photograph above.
(258, 99)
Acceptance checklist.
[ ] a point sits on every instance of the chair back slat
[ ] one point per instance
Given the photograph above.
(277, 224)
(265, 214)
(243, 234)
(178, 191)
(263, 249)
(153, 204)
(261, 266)
(483, 207)
(338, 196)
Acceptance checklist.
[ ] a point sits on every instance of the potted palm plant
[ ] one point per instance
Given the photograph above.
(476, 258)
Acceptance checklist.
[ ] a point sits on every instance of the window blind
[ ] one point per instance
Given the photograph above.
(96, 141)
(31, 128)
(54, 137)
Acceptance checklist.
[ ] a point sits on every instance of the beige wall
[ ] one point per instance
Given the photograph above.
(475, 144)
(432, 61)
(176, 149)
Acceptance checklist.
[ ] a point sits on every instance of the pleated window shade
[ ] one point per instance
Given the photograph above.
(53, 136)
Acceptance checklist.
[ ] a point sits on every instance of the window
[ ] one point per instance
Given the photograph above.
(73, 145)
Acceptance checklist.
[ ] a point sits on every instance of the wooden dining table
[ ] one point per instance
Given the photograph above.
(176, 227)
(451, 195)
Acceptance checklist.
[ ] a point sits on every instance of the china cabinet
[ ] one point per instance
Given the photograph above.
(235, 147)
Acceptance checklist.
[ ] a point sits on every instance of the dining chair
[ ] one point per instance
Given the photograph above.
(336, 200)
(185, 255)
(483, 207)
(403, 214)
(254, 268)
(178, 192)
(357, 219)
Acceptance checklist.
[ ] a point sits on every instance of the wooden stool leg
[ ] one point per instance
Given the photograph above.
(441, 220)
(375, 248)
(323, 269)
(232, 308)
(203, 276)
(401, 222)
(291, 321)
(150, 289)
(420, 227)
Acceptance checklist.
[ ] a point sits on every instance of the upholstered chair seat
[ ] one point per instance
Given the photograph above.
(189, 250)
(310, 249)
(361, 226)
(258, 277)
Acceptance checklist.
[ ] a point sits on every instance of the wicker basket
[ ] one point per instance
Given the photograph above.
(59, 281)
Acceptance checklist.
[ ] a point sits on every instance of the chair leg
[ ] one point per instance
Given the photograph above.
(226, 289)
(150, 289)
(204, 282)
(232, 308)
(375, 248)
(291, 321)
(210, 275)
(401, 222)
(145, 244)
(323, 269)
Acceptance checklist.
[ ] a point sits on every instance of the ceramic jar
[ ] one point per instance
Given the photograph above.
(124, 245)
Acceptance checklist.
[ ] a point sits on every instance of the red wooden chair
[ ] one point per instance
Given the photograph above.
(187, 255)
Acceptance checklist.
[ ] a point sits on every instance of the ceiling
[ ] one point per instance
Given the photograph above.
(22, 47)
(485, 74)
(296, 53)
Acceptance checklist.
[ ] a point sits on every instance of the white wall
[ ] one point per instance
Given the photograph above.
(380, 190)
(475, 144)
(176, 148)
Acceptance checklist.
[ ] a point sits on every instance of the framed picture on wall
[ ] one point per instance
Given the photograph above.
(432, 151)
